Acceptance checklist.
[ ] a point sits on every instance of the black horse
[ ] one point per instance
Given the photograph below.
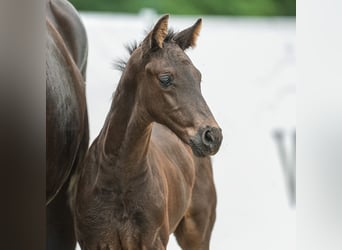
(67, 132)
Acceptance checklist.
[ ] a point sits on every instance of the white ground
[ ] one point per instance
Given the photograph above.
(249, 82)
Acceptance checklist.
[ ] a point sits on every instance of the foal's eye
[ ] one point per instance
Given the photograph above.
(165, 80)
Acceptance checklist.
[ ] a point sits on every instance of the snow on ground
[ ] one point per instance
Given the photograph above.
(249, 82)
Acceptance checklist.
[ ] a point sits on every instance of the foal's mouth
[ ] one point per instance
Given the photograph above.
(206, 142)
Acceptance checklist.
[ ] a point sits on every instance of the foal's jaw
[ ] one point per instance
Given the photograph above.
(204, 140)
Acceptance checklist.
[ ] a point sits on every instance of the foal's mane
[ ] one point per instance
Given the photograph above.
(120, 63)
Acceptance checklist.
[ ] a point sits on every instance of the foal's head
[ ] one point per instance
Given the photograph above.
(169, 87)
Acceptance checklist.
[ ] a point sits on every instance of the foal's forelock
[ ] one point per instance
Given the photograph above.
(120, 64)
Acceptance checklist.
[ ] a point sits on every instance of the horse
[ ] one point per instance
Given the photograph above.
(67, 132)
(148, 173)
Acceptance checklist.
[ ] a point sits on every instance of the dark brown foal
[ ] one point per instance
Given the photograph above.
(148, 174)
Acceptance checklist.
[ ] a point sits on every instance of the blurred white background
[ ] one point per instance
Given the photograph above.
(249, 82)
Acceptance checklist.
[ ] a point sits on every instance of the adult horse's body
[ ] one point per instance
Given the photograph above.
(66, 116)
(148, 173)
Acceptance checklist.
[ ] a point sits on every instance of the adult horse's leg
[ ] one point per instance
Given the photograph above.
(60, 226)
(60, 223)
(194, 230)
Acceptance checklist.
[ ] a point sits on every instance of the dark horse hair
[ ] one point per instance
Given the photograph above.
(67, 131)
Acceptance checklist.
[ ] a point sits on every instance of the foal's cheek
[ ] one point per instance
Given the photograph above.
(170, 101)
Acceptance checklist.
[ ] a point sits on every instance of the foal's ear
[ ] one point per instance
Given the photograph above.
(156, 37)
(188, 37)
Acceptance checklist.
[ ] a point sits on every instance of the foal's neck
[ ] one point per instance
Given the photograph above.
(127, 130)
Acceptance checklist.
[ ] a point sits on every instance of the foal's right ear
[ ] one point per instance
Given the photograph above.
(155, 38)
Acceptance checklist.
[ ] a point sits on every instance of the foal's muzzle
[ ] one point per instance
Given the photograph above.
(207, 141)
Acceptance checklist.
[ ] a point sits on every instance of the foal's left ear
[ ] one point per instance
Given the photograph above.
(188, 37)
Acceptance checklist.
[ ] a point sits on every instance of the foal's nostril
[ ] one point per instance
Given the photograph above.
(208, 137)
(207, 141)
(211, 137)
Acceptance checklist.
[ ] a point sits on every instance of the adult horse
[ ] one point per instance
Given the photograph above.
(66, 116)
(148, 173)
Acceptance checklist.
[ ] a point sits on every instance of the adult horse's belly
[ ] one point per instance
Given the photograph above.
(65, 113)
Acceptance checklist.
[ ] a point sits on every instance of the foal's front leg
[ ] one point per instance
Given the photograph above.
(194, 230)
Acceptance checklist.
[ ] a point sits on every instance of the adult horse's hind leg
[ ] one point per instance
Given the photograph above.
(194, 230)
(60, 223)
(60, 227)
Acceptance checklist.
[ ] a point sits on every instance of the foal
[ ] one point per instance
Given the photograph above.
(148, 173)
